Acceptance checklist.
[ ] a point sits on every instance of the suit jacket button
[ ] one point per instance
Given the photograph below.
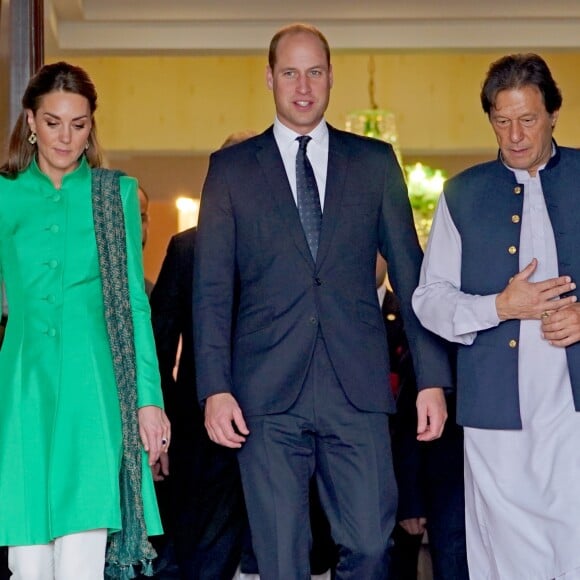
(512, 250)
(513, 343)
(516, 218)
(317, 282)
(517, 189)
(313, 320)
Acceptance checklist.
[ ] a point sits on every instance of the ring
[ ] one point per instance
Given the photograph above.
(164, 441)
(545, 314)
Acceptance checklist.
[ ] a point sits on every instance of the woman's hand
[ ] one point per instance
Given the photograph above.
(155, 431)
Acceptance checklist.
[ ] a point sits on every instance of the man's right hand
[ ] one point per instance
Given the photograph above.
(524, 300)
(222, 413)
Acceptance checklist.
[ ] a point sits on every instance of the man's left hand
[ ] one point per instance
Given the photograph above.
(161, 469)
(431, 413)
(562, 327)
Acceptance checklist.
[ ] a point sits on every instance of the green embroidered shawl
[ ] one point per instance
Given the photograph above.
(130, 546)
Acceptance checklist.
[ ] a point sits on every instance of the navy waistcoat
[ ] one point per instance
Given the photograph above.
(486, 203)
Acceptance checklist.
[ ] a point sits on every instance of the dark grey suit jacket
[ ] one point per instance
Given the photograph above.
(250, 235)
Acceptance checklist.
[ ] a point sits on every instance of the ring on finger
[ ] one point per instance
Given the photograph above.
(545, 314)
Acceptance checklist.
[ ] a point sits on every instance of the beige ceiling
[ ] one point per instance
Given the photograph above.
(233, 26)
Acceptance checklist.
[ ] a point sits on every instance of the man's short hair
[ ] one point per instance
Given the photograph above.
(296, 28)
(516, 71)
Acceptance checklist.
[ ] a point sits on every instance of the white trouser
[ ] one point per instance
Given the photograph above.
(72, 557)
(571, 575)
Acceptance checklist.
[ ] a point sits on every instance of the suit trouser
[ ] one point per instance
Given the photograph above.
(72, 557)
(349, 453)
(405, 554)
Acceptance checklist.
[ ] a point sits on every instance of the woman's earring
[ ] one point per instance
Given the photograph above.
(86, 146)
(32, 138)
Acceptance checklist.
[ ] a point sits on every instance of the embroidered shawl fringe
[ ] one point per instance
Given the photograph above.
(130, 546)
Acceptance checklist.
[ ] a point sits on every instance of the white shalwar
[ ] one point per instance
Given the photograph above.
(522, 487)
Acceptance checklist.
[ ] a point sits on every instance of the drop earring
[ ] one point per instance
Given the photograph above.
(32, 138)
(86, 146)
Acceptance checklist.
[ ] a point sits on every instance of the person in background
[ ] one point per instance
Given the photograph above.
(294, 376)
(205, 516)
(144, 209)
(429, 475)
(499, 279)
(81, 416)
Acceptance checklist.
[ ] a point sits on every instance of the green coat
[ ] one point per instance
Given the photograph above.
(60, 425)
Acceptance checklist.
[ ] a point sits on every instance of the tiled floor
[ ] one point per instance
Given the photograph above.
(424, 571)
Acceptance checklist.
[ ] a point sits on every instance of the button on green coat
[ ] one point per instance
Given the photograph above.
(60, 425)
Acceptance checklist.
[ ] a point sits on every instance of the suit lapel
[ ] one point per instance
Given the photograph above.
(274, 172)
(338, 158)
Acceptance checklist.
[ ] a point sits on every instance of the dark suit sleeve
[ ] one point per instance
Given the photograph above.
(167, 312)
(400, 247)
(213, 284)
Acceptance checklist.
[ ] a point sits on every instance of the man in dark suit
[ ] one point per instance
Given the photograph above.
(144, 207)
(429, 475)
(298, 380)
(202, 502)
(206, 517)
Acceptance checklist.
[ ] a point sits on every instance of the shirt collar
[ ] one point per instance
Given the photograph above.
(79, 172)
(286, 137)
(539, 168)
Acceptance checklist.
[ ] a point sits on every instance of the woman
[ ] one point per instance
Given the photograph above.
(79, 386)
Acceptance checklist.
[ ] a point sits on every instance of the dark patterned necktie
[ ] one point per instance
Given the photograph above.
(308, 200)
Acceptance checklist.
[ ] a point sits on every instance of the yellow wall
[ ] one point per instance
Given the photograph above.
(186, 103)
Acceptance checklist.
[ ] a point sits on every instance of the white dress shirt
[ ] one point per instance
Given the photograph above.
(317, 153)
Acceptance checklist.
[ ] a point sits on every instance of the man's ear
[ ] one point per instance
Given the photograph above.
(269, 78)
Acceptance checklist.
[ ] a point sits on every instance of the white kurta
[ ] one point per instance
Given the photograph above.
(522, 488)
